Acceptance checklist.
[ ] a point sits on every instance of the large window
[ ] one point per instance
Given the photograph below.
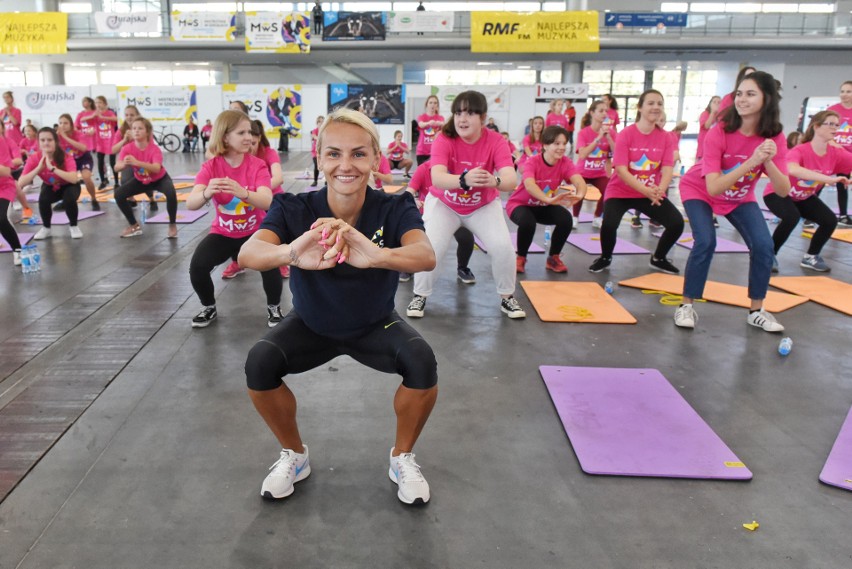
(667, 82)
(700, 87)
(480, 77)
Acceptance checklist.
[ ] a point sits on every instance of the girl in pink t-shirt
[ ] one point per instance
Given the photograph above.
(540, 199)
(612, 118)
(643, 161)
(397, 153)
(706, 121)
(314, 135)
(419, 186)
(105, 122)
(595, 143)
(238, 185)
(29, 144)
(383, 175)
(812, 164)
(58, 174)
(532, 141)
(471, 165)
(429, 124)
(73, 144)
(205, 134)
(11, 117)
(746, 143)
(145, 159)
(8, 190)
(555, 116)
(843, 137)
(85, 122)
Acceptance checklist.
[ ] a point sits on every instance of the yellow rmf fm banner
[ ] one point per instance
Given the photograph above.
(538, 32)
(33, 33)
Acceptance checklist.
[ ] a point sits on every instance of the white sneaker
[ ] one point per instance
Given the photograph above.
(576, 222)
(405, 473)
(290, 468)
(597, 222)
(43, 233)
(685, 316)
(16, 258)
(75, 232)
(763, 319)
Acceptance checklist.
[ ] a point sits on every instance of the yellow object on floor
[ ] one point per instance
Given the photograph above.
(575, 302)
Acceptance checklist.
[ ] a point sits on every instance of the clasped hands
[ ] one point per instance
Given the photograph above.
(330, 242)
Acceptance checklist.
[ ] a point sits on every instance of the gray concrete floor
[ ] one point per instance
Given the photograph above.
(164, 468)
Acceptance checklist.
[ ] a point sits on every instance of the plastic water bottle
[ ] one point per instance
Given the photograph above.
(36, 258)
(143, 212)
(786, 346)
(608, 287)
(775, 220)
(548, 231)
(26, 259)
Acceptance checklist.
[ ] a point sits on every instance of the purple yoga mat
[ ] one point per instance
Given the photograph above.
(591, 244)
(23, 237)
(632, 422)
(183, 216)
(60, 218)
(838, 467)
(722, 245)
(184, 178)
(585, 217)
(534, 247)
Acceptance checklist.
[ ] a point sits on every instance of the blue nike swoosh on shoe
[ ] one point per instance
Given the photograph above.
(300, 469)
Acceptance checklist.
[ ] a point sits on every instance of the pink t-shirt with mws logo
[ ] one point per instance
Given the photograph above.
(613, 120)
(555, 119)
(150, 154)
(7, 183)
(48, 177)
(702, 133)
(85, 123)
(547, 177)
(103, 132)
(421, 180)
(843, 136)
(270, 157)
(490, 152)
(594, 165)
(833, 161)
(234, 217)
(13, 131)
(397, 150)
(723, 153)
(29, 145)
(645, 155)
(314, 134)
(68, 148)
(384, 168)
(429, 134)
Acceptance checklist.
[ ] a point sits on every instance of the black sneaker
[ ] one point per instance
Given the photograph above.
(715, 222)
(600, 264)
(466, 275)
(845, 221)
(416, 307)
(103, 185)
(273, 315)
(664, 265)
(205, 317)
(154, 207)
(96, 206)
(808, 224)
(511, 308)
(636, 223)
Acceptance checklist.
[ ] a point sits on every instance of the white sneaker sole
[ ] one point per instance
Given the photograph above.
(513, 313)
(267, 495)
(402, 497)
(415, 313)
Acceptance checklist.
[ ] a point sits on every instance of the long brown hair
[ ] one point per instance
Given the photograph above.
(533, 136)
(642, 101)
(769, 124)
(587, 118)
(257, 129)
(125, 126)
(817, 120)
(58, 156)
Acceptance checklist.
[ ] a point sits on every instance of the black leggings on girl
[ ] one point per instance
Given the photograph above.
(214, 250)
(421, 158)
(6, 229)
(316, 171)
(665, 213)
(67, 194)
(790, 212)
(390, 346)
(526, 218)
(102, 166)
(133, 186)
(842, 197)
(464, 248)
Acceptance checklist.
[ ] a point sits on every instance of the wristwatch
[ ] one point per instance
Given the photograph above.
(462, 182)
(497, 185)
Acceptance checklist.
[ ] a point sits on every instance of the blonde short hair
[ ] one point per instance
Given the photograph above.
(348, 116)
(226, 122)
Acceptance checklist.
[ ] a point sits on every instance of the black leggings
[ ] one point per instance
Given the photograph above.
(102, 166)
(421, 158)
(600, 183)
(67, 194)
(390, 346)
(133, 186)
(464, 248)
(526, 218)
(7, 230)
(666, 214)
(316, 171)
(790, 212)
(842, 197)
(214, 250)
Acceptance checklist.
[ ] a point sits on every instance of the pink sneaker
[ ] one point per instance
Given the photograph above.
(285, 272)
(232, 270)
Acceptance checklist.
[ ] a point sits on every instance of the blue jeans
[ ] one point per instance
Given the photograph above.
(748, 220)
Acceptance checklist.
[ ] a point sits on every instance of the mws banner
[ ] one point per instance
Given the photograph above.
(276, 106)
(204, 26)
(278, 32)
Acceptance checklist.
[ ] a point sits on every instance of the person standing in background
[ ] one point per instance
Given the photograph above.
(318, 18)
(429, 125)
(843, 137)
(11, 117)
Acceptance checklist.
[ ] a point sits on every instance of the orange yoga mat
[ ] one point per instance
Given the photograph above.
(575, 302)
(822, 290)
(391, 189)
(715, 292)
(839, 234)
(592, 193)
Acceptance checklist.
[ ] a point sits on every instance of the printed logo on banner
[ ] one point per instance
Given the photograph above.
(384, 104)
(550, 32)
(278, 107)
(51, 99)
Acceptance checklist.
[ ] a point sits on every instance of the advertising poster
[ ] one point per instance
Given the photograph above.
(166, 107)
(204, 26)
(276, 106)
(137, 22)
(421, 21)
(50, 101)
(538, 32)
(384, 104)
(33, 33)
(354, 26)
(278, 32)
(496, 96)
(546, 92)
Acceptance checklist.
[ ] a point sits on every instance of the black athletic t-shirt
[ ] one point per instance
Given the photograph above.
(344, 301)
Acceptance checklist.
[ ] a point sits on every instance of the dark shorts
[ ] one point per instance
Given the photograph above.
(395, 164)
(85, 162)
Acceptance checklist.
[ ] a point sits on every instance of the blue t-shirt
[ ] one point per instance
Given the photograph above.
(344, 301)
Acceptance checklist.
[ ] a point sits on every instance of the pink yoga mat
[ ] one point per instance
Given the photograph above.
(183, 216)
(534, 247)
(23, 237)
(632, 422)
(838, 467)
(722, 245)
(591, 244)
(60, 218)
